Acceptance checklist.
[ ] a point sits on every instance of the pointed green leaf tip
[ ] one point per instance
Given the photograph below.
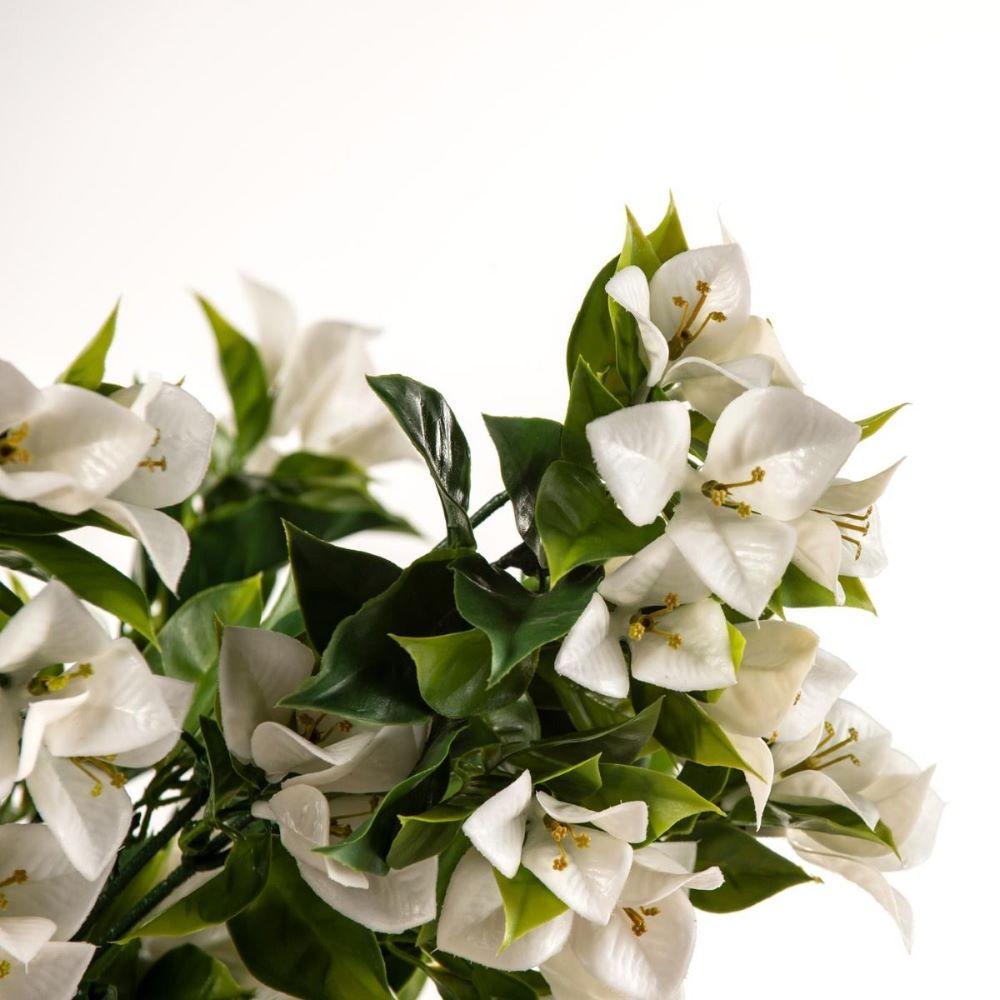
(873, 424)
(87, 368)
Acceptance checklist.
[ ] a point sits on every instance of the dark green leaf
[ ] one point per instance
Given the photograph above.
(752, 871)
(579, 523)
(527, 904)
(245, 378)
(517, 621)
(188, 973)
(592, 337)
(588, 400)
(572, 782)
(429, 833)
(526, 446)
(333, 582)
(430, 424)
(89, 577)
(229, 778)
(87, 368)
(29, 519)
(292, 941)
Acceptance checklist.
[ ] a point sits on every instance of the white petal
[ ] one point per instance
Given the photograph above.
(629, 288)
(183, 444)
(124, 709)
(40, 715)
(277, 750)
(164, 539)
(722, 344)
(900, 800)
(54, 974)
(496, 828)
(652, 573)
(710, 387)
(846, 497)
(10, 726)
(256, 669)
(590, 654)
(817, 787)
(53, 627)
(799, 443)
(641, 454)
(872, 559)
(822, 686)
(385, 762)
(626, 820)
(569, 980)
(89, 827)
(390, 903)
(756, 754)
(871, 749)
(471, 924)
(702, 662)
(657, 872)
(776, 660)
(741, 560)
(176, 695)
(647, 967)
(723, 267)
(19, 398)
(593, 876)
(22, 937)
(276, 322)
(818, 548)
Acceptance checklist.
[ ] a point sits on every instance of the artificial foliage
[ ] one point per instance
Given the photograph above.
(270, 763)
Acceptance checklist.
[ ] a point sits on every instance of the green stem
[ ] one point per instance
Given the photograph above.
(490, 507)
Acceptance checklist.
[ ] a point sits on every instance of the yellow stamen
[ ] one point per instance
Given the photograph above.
(638, 923)
(671, 601)
(344, 726)
(154, 463)
(818, 760)
(4, 968)
(744, 510)
(10, 450)
(104, 767)
(42, 684)
(559, 832)
(719, 493)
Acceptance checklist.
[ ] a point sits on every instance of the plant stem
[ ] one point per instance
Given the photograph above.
(490, 507)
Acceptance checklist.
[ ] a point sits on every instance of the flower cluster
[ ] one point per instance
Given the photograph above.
(294, 768)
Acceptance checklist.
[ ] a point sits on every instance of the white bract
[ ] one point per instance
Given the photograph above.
(322, 402)
(696, 330)
(43, 900)
(258, 668)
(307, 820)
(75, 706)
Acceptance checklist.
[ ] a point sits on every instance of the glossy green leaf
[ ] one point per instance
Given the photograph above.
(669, 800)
(527, 904)
(228, 777)
(222, 897)
(588, 400)
(526, 447)
(10, 603)
(667, 239)
(592, 337)
(427, 834)
(333, 582)
(189, 642)
(364, 673)
(517, 621)
(453, 673)
(87, 368)
(192, 974)
(29, 519)
(50, 556)
(579, 523)
(292, 941)
(572, 782)
(701, 434)
(752, 871)
(871, 425)
(797, 590)
(246, 379)
(431, 425)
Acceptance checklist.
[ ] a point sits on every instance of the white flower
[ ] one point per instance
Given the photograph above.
(696, 329)
(322, 401)
(64, 447)
(43, 901)
(772, 455)
(65, 733)
(257, 668)
(391, 903)
(172, 469)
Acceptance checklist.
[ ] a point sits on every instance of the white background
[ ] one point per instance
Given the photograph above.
(455, 173)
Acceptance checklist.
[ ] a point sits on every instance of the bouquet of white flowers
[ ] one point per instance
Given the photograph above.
(276, 765)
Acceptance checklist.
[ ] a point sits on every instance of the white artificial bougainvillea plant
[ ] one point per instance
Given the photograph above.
(266, 763)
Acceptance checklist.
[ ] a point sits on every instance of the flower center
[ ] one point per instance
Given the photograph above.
(559, 832)
(640, 625)
(338, 828)
(860, 524)
(637, 916)
(43, 683)
(10, 446)
(686, 331)
(821, 758)
(720, 494)
(105, 771)
(18, 877)
(152, 464)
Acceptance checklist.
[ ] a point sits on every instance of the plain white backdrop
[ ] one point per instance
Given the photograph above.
(455, 172)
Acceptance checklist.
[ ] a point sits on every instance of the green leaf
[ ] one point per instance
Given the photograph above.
(573, 782)
(592, 337)
(333, 582)
(687, 731)
(188, 973)
(453, 673)
(87, 368)
(526, 446)
(431, 425)
(618, 744)
(245, 378)
(10, 603)
(292, 941)
(701, 434)
(189, 642)
(588, 400)
(838, 821)
(364, 673)
(427, 834)
(229, 778)
(220, 898)
(752, 871)
(527, 904)
(579, 523)
(517, 621)
(89, 577)
(667, 239)
(797, 590)
(669, 800)
(870, 425)
(637, 251)
(367, 847)
(29, 519)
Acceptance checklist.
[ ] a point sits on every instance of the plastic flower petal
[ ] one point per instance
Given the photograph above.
(496, 828)
(590, 653)
(653, 572)
(627, 820)
(629, 288)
